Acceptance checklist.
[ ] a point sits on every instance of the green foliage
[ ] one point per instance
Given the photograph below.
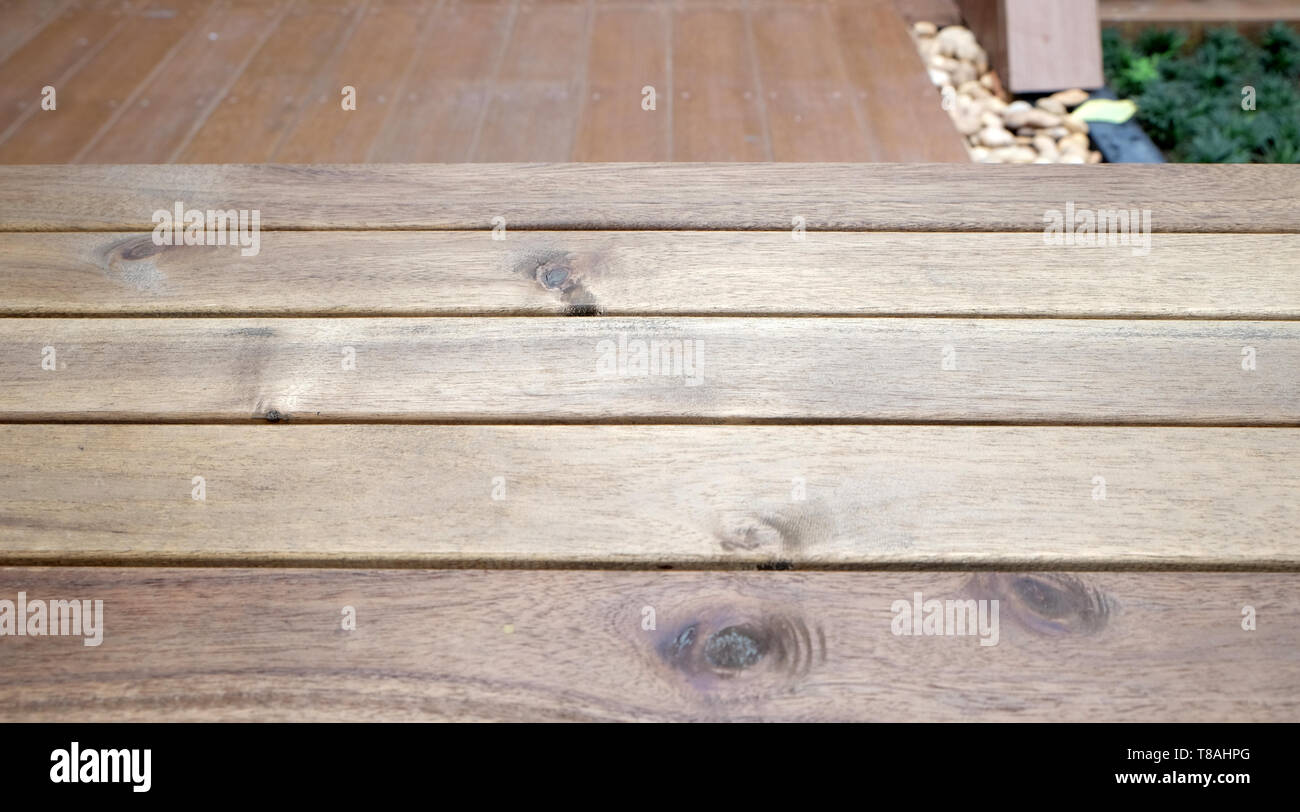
(1190, 99)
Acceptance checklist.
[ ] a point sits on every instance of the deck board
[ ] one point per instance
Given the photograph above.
(917, 394)
(268, 645)
(548, 86)
(657, 196)
(645, 497)
(586, 369)
(265, 102)
(106, 87)
(620, 273)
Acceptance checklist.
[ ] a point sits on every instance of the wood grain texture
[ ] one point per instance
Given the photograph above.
(584, 369)
(267, 645)
(1240, 276)
(652, 496)
(874, 197)
(1039, 45)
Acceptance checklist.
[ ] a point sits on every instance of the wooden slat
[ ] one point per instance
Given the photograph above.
(649, 496)
(856, 369)
(268, 645)
(1242, 276)
(1165, 12)
(879, 197)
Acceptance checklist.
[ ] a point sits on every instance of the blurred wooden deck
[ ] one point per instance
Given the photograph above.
(224, 81)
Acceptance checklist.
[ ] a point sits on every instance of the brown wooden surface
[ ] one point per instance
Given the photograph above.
(546, 369)
(874, 197)
(268, 645)
(525, 543)
(222, 81)
(614, 273)
(726, 497)
(1195, 17)
(1039, 45)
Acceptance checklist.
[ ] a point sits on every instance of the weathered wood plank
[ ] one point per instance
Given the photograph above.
(875, 197)
(596, 369)
(650, 496)
(269, 645)
(1241, 276)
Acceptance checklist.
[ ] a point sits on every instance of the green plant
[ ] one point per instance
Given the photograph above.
(1226, 100)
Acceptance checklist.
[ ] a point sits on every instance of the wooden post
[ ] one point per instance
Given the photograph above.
(1039, 45)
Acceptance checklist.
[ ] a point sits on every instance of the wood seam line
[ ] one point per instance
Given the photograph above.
(655, 421)
(53, 15)
(71, 72)
(323, 71)
(489, 81)
(752, 47)
(667, 567)
(421, 43)
(220, 95)
(215, 8)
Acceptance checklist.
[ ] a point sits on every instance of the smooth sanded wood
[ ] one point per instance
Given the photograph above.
(649, 496)
(174, 101)
(104, 87)
(899, 121)
(590, 369)
(1236, 276)
(873, 197)
(269, 645)
(373, 63)
(259, 109)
